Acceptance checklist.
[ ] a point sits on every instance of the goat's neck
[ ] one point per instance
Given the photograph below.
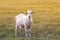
(29, 17)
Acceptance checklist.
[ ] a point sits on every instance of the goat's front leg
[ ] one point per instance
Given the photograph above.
(28, 30)
(27, 33)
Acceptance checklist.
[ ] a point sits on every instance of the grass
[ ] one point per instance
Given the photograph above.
(46, 19)
(39, 34)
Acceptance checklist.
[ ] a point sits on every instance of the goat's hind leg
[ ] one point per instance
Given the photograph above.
(20, 30)
(16, 29)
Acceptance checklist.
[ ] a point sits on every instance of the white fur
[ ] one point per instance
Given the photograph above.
(22, 19)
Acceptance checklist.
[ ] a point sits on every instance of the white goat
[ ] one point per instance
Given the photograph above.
(24, 22)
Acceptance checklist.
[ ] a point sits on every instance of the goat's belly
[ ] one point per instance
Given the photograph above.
(22, 26)
(28, 25)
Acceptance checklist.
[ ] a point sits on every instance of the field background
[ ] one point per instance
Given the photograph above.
(46, 19)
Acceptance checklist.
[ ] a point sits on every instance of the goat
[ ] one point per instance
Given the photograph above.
(24, 22)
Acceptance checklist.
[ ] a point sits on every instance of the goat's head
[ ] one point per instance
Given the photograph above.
(29, 12)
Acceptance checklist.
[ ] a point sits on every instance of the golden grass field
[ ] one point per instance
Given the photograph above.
(46, 16)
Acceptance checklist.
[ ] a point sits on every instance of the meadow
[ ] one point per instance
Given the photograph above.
(46, 19)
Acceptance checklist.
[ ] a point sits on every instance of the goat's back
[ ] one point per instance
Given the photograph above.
(20, 19)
